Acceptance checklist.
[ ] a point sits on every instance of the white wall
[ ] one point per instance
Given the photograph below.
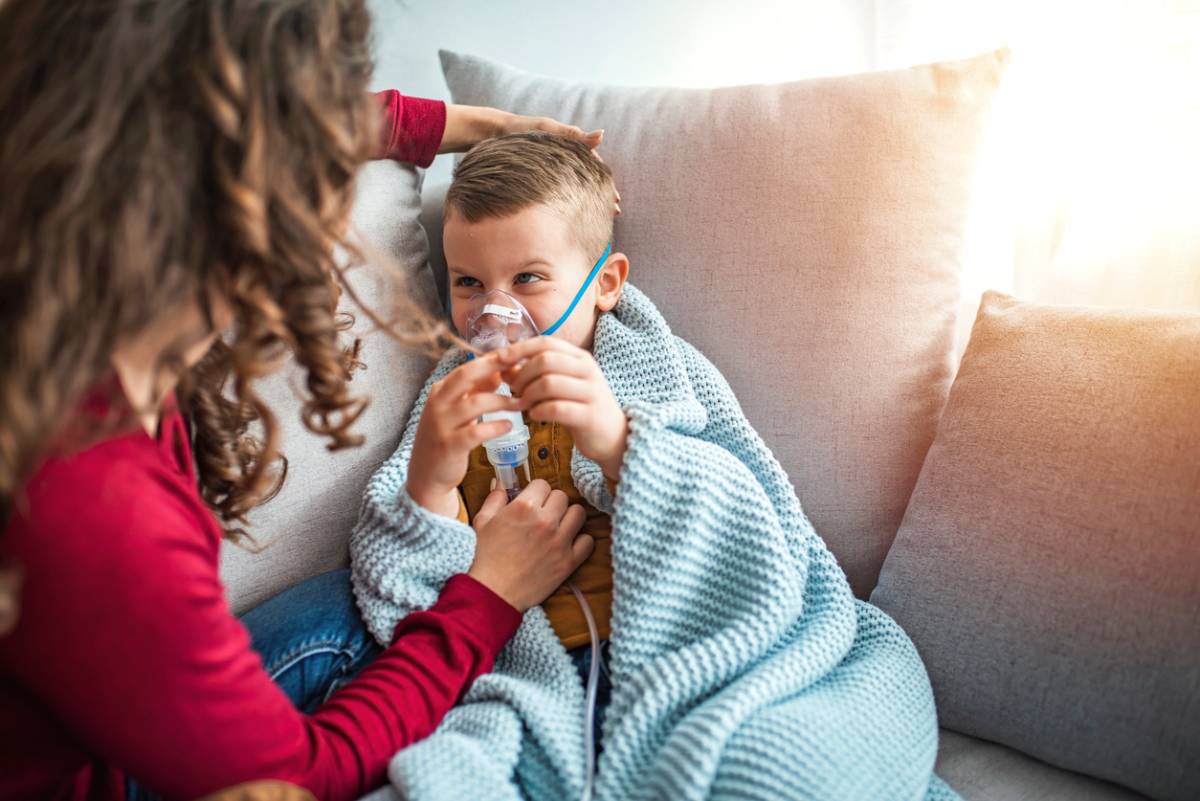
(665, 42)
(1089, 187)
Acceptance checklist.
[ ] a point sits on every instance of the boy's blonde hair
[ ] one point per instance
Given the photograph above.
(508, 174)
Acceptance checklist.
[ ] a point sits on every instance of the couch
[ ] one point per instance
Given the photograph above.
(1030, 513)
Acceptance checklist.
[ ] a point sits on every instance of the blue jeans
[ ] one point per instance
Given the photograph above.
(311, 640)
(582, 657)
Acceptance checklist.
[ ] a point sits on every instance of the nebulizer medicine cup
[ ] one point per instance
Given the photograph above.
(509, 453)
(496, 320)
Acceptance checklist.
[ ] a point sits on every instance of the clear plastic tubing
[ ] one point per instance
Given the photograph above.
(593, 684)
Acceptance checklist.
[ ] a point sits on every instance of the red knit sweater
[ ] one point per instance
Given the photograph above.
(126, 657)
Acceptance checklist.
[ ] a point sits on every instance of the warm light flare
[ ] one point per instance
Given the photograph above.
(1094, 158)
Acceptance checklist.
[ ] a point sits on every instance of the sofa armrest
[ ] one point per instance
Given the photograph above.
(433, 205)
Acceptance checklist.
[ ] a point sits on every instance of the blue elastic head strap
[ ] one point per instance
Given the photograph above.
(579, 295)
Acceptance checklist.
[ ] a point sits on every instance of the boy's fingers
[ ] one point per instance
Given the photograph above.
(494, 502)
(556, 387)
(568, 413)
(513, 358)
(527, 348)
(469, 408)
(472, 435)
(480, 373)
(544, 364)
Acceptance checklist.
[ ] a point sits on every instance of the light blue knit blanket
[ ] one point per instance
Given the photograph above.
(742, 665)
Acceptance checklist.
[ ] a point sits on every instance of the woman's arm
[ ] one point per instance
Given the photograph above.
(466, 126)
(412, 128)
(415, 129)
(127, 637)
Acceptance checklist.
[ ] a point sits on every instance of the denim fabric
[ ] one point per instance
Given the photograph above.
(582, 657)
(311, 640)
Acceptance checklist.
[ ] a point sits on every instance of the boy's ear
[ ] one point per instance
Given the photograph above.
(611, 280)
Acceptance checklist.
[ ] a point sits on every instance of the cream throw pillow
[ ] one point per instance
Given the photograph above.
(807, 237)
(1048, 567)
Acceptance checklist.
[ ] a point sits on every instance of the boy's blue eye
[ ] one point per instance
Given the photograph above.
(522, 278)
(465, 280)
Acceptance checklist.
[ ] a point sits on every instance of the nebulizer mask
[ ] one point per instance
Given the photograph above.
(496, 319)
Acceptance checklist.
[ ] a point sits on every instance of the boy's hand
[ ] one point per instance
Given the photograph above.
(559, 382)
(449, 430)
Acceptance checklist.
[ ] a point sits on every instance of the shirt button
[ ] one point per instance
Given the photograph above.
(543, 453)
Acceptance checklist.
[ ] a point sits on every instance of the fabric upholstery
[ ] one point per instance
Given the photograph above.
(305, 529)
(807, 238)
(1048, 566)
(983, 771)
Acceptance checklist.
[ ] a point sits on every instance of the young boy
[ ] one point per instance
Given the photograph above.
(529, 215)
(741, 666)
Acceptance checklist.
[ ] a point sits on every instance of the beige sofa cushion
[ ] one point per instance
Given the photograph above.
(1048, 566)
(983, 771)
(305, 529)
(807, 238)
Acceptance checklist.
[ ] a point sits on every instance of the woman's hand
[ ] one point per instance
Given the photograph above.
(561, 383)
(467, 126)
(526, 549)
(449, 430)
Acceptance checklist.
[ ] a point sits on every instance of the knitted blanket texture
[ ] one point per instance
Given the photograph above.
(742, 665)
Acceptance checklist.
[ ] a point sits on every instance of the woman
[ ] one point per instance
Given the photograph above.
(172, 170)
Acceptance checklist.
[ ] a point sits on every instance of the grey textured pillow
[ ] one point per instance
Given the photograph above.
(306, 527)
(807, 238)
(1048, 566)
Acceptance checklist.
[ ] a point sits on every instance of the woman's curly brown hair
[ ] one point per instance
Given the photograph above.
(160, 151)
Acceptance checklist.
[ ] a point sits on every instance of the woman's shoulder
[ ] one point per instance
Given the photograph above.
(126, 491)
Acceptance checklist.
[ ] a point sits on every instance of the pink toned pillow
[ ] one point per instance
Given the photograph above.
(808, 238)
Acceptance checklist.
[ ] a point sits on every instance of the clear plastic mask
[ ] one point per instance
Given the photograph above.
(496, 319)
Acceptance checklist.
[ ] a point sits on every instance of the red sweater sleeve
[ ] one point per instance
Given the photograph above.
(412, 127)
(127, 641)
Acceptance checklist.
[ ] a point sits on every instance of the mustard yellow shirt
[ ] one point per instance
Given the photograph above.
(550, 446)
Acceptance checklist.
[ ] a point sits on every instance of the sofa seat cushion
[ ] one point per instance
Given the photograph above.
(983, 771)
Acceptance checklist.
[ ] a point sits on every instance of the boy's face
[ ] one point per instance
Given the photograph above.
(532, 256)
